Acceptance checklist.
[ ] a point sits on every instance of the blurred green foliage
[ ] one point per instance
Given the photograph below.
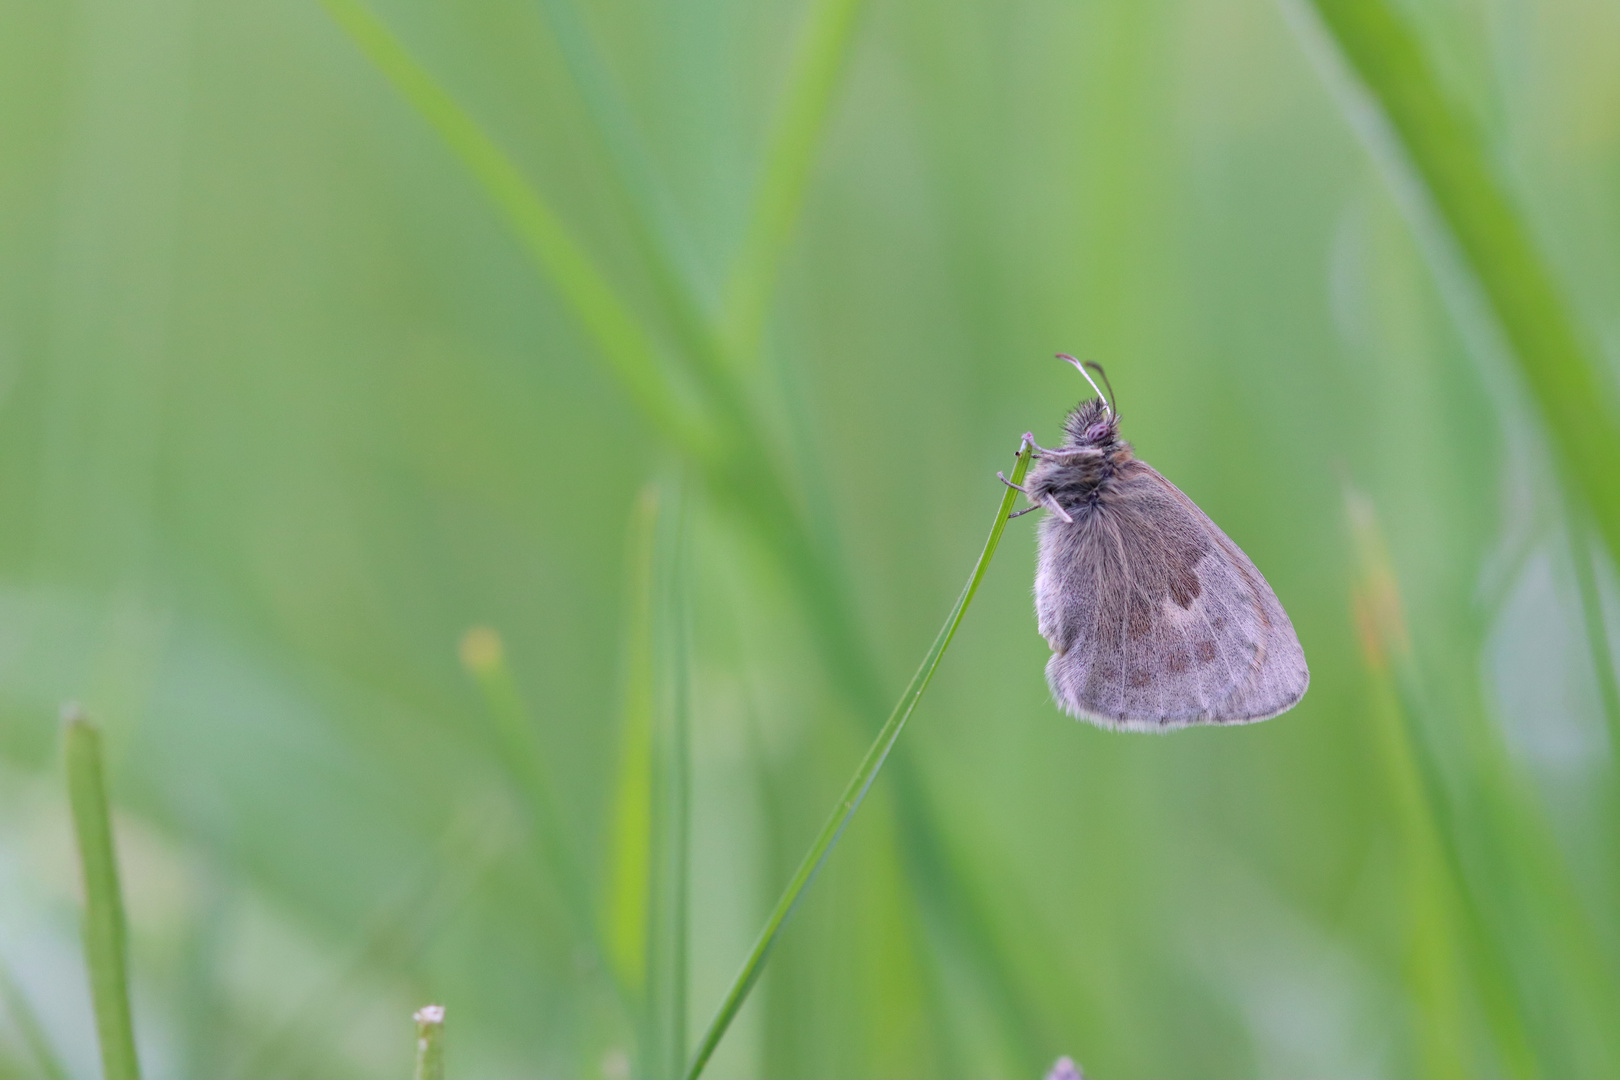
(679, 345)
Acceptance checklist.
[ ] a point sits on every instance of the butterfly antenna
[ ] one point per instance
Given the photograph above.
(1098, 368)
(1081, 368)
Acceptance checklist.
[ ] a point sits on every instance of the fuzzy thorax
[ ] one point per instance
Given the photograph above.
(1077, 473)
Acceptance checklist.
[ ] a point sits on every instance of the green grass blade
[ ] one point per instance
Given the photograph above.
(854, 793)
(105, 948)
(1450, 161)
(1433, 943)
(654, 220)
(483, 654)
(669, 922)
(623, 344)
(429, 1042)
(1483, 868)
(630, 846)
(679, 798)
(819, 57)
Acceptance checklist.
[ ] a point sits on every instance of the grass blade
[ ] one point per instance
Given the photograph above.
(429, 1042)
(630, 851)
(679, 807)
(854, 793)
(105, 948)
(670, 923)
(1451, 163)
(1431, 893)
(483, 654)
(1534, 955)
(818, 59)
(606, 317)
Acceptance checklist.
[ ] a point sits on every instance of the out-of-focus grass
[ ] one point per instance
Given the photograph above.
(106, 952)
(430, 1042)
(628, 899)
(670, 867)
(285, 407)
(1453, 167)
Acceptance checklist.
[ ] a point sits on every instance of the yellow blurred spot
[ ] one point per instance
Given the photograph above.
(481, 650)
(1375, 598)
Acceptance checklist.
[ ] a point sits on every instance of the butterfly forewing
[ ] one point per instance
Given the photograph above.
(1155, 618)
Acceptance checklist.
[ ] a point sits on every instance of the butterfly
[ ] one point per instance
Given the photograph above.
(1155, 618)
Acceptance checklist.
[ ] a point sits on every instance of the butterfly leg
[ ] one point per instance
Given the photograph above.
(1056, 451)
(1035, 447)
(1025, 510)
(1048, 502)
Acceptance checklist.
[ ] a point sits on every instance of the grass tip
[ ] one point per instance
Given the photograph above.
(73, 715)
(429, 1014)
(482, 651)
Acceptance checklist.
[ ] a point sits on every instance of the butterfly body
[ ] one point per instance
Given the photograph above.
(1156, 619)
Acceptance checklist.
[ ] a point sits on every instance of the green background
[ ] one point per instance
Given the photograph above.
(286, 406)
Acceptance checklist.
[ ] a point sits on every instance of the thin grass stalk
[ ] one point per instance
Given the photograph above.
(429, 1042)
(483, 654)
(819, 57)
(670, 885)
(45, 1058)
(1531, 930)
(1446, 920)
(624, 346)
(105, 947)
(680, 799)
(655, 217)
(1432, 967)
(1448, 158)
(855, 792)
(627, 903)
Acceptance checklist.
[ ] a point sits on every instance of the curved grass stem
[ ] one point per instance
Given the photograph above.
(854, 793)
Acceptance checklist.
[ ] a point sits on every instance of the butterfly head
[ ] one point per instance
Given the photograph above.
(1092, 424)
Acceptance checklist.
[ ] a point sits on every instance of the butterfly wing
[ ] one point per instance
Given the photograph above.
(1156, 619)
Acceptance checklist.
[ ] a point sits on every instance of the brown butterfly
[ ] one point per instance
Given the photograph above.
(1155, 618)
